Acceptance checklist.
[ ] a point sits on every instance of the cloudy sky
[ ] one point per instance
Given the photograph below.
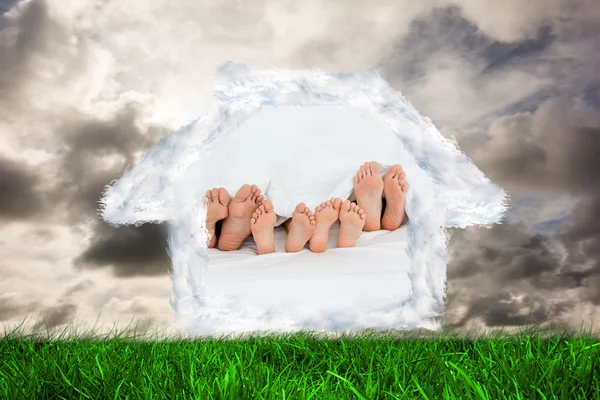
(87, 85)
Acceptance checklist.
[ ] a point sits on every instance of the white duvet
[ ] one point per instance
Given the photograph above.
(374, 271)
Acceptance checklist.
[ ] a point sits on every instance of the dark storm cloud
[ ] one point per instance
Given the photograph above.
(507, 251)
(55, 316)
(31, 34)
(6, 5)
(19, 196)
(554, 150)
(87, 144)
(592, 94)
(445, 31)
(129, 250)
(502, 55)
(10, 307)
(506, 275)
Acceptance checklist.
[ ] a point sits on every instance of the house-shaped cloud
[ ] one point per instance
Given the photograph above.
(455, 193)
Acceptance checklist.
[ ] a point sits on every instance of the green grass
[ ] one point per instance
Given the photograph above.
(527, 365)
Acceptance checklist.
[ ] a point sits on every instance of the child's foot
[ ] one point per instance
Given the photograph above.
(300, 228)
(368, 188)
(325, 215)
(395, 190)
(352, 219)
(217, 200)
(263, 228)
(236, 227)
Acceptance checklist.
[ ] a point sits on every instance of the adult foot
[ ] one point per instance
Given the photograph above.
(263, 228)
(326, 214)
(236, 227)
(352, 219)
(217, 202)
(300, 229)
(395, 190)
(368, 188)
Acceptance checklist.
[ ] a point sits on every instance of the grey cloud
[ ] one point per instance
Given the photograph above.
(130, 251)
(551, 149)
(55, 316)
(19, 196)
(10, 307)
(554, 149)
(446, 32)
(89, 144)
(35, 35)
(6, 5)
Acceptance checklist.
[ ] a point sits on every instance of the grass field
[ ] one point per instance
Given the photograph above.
(528, 365)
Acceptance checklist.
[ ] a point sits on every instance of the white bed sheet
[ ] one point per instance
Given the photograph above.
(301, 286)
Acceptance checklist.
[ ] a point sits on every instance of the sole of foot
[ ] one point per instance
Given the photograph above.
(352, 222)
(326, 214)
(300, 229)
(263, 228)
(368, 188)
(217, 208)
(394, 189)
(237, 227)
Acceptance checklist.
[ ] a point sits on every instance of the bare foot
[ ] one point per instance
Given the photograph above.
(217, 202)
(395, 190)
(300, 229)
(352, 219)
(263, 228)
(368, 187)
(325, 214)
(236, 227)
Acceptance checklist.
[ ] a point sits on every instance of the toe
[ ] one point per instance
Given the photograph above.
(259, 200)
(243, 193)
(255, 192)
(214, 192)
(346, 205)
(363, 172)
(404, 188)
(394, 171)
(337, 203)
(224, 196)
(267, 206)
(300, 207)
(374, 167)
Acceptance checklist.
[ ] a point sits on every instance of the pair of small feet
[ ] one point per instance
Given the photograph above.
(235, 213)
(369, 187)
(306, 226)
